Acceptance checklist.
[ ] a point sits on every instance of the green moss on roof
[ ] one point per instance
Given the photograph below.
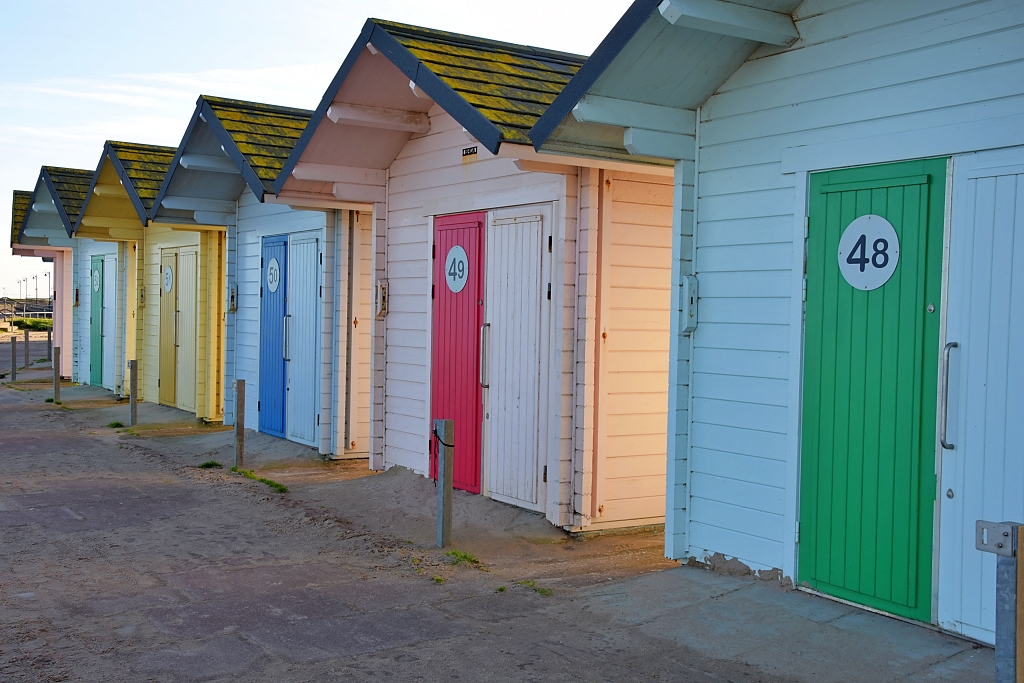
(145, 166)
(19, 207)
(265, 134)
(510, 85)
(71, 186)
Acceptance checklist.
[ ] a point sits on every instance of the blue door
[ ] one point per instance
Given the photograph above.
(273, 300)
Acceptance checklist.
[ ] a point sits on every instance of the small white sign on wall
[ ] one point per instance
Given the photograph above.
(95, 280)
(456, 269)
(168, 279)
(869, 251)
(273, 275)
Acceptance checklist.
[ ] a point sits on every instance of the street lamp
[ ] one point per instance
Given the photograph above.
(49, 293)
(35, 279)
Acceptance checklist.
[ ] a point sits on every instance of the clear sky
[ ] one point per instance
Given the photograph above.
(73, 74)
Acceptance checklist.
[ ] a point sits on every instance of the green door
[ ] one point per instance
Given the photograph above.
(874, 271)
(96, 321)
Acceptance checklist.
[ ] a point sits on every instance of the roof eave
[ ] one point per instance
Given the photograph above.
(126, 182)
(231, 149)
(89, 193)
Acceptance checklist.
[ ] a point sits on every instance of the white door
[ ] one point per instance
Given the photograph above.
(302, 340)
(516, 312)
(188, 305)
(982, 474)
(109, 319)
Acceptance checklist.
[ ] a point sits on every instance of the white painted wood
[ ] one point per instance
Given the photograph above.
(528, 153)
(188, 311)
(302, 341)
(378, 117)
(208, 162)
(731, 19)
(616, 112)
(109, 316)
(351, 192)
(198, 204)
(654, 143)
(517, 310)
(984, 317)
(338, 174)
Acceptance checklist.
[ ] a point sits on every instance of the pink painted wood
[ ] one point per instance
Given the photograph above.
(455, 387)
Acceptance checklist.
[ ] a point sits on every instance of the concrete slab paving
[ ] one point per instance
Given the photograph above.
(120, 560)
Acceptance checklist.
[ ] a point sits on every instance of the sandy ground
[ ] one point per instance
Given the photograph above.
(121, 560)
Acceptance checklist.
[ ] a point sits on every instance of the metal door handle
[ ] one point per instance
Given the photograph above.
(485, 381)
(284, 336)
(176, 329)
(945, 395)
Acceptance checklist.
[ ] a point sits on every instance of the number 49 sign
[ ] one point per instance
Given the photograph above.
(869, 251)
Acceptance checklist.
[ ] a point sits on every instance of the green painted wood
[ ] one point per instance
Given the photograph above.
(96, 321)
(870, 380)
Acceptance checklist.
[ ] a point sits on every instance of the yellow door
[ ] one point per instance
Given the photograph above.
(168, 326)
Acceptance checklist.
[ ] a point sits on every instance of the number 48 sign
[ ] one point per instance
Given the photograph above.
(869, 251)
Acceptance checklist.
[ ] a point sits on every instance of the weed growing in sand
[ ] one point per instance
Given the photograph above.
(500, 589)
(249, 474)
(210, 464)
(438, 579)
(116, 425)
(49, 400)
(458, 557)
(535, 587)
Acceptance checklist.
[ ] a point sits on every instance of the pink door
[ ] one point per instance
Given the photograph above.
(458, 315)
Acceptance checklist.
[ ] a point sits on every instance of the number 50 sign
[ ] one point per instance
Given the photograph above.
(869, 251)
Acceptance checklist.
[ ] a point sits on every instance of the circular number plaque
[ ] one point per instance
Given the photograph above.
(456, 269)
(869, 251)
(95, 280)
(168, 279)
(273, 275)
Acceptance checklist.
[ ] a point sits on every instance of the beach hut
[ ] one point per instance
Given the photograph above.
(285, 300)
(45, 230)
(524, 297)
(857, 240)
(169, 282)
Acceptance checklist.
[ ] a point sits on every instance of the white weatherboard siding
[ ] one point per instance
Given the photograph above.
(899, 80)
(86, 249)
(256, 221)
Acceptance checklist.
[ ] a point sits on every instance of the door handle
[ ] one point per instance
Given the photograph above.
(285, 337)
(485, 347)
(176, 329)
(943, 414)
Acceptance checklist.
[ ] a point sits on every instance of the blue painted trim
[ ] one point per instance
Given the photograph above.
(486, 133)
(177, 158)
(321, 111)
(127, 183)
(44, 176)
(592, 69)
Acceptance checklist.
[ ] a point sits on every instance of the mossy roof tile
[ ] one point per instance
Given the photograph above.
(145, 166)
(265, 134)
(71, 186)
(19, 207)
(509, 85)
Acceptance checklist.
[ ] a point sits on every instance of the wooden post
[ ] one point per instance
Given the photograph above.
(14, 358)
(239, 423)
(444, 432)
(27, 360)
(56, 375)
(49, 344)
(133, 393)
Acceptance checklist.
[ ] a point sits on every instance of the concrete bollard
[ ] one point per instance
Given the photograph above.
(239, 423)
(28, 361)
(56, 375)
(14, 358)
(133, 393)
(49, 344)
(444, 432)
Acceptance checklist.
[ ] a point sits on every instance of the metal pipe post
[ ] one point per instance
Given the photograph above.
(49, 344)
(27, 361)
(133, 393)
(239, 423)
(14, 358)
(1001, 539)
(56, 375)
(444, 432)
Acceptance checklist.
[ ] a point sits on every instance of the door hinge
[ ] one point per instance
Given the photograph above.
(797, 539)
(545, 473)
(261, 261)
(805, 289)
(321, 258)
(807, 227)
(431, 291)
(257, 406)
(261, 291)
(433, 251)
(321, 291)
(317, 420)
(549, 291)
(549, 244)
(157, 381)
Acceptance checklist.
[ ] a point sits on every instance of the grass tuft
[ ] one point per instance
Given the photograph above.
(249, 474)
(536, 589)
(458, 557)
(49, 400)
(500, 589)
(438, 579)
(116, 425)
(210, 464)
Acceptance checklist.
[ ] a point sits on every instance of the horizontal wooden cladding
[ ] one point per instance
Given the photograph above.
(739, 440)
(759, 390)
(753, 549)
(636, 508)
(765, 418)
(725, 465)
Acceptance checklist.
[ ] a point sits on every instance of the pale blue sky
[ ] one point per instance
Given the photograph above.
(73, 74)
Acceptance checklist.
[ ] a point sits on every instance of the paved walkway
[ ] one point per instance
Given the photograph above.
(120, 560)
